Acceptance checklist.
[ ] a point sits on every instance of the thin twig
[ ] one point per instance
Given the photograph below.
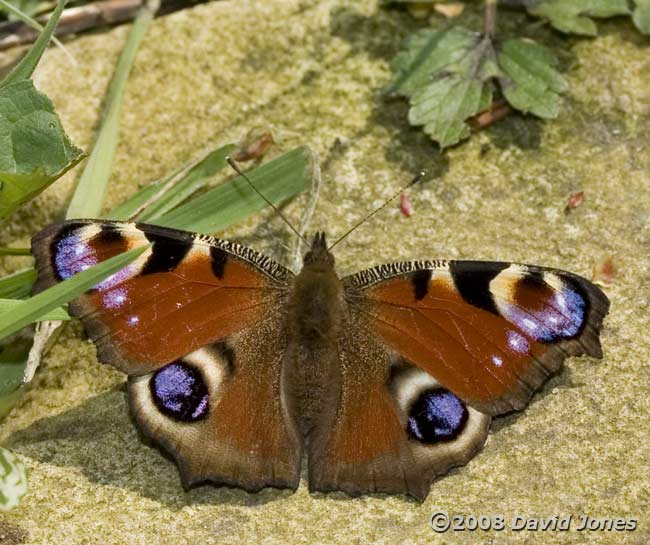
(87, 17)
(490, 17)
(496, 112)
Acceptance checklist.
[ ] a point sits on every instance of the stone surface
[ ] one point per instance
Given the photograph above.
(313, 71)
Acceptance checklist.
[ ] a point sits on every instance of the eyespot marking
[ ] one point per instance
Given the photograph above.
(436, 416)
(472, 280)
(178, 390)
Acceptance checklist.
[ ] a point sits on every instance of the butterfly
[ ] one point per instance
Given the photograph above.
(383, 380)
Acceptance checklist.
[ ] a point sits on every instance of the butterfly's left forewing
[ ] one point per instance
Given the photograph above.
(198, 325)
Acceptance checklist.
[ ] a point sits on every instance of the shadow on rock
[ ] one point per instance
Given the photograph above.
(100, 439)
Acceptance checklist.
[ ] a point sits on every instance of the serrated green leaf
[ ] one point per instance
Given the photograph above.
(36, 307)
(18, 284)
(426, 53)
(641, 15)
(531, 83)
(446, 75)
(25, 68)
(34, 149)
(234, 200)
(575, 16)
(186, 181)
(13, 480)
(443, 106)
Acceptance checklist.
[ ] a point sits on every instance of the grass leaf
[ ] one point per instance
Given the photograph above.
(25, 68)
(234, 200)
(34, 149)
(18, 284)
(88, 197)
(34, 308)
(169, 192)
(13, 480)
(9, 305)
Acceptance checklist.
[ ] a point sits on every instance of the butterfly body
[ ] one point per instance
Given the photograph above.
(382, 380)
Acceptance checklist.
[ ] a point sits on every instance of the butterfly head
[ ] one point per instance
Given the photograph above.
(319, 256)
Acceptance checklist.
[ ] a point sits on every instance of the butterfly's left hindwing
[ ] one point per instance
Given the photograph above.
(198, 325)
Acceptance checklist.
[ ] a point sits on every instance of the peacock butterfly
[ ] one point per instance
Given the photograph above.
(384, 379)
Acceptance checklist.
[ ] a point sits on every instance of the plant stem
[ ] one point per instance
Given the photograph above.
(14, 251)
(490, 17)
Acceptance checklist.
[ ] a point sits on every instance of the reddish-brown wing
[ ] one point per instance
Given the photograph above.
(184, 292)
(198, 323)
(489, 332)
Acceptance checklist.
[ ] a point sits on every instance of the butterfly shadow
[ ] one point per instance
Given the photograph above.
(100, 439)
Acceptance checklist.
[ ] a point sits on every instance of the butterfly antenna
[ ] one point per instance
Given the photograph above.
(414, 181)
(236, 168)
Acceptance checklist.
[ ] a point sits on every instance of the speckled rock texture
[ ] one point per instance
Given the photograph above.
(313, 72)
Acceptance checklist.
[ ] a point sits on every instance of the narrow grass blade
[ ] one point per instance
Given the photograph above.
(33, 23)
(25, 68)
(18, 284)
(14, 251)
(9, 305)
(234, 200)
(160, 197)
(34, 308)
(89, 194)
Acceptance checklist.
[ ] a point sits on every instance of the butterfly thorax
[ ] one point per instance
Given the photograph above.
(316, 313)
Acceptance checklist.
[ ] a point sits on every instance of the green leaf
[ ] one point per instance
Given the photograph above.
(13, 480)
(172, 190)
(34, 308)
(530, 82)
(426, 53)
(25, 68)
(641, 15)
(9, 305)
(18, 284)
(446, 74)
(234, 200)
(449, 77)
(575, 16)
(34, 149)
(88, 197)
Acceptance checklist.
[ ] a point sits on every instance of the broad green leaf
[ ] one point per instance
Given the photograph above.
(13, 480)
(88, 197)
(575, 16)
(641, 15)
(9, 305)
(234, 200)
(530, 82)
(25, 68)
(33, 309)
(18, 284)
(34, 149)
(172, 190)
